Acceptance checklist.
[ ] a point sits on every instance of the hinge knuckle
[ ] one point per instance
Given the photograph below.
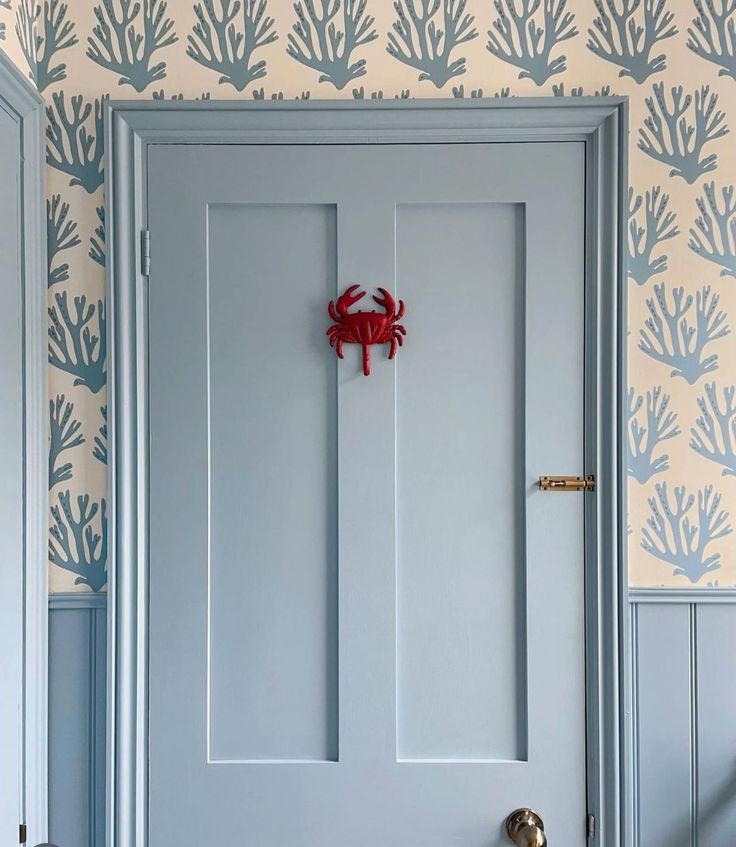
(145, 252)
(590, 826)
(22, 833)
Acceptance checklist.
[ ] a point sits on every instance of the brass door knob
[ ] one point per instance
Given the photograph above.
(526, 829)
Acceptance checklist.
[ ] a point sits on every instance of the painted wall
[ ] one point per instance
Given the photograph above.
(77, 701)
(684, 770)
(676, 59)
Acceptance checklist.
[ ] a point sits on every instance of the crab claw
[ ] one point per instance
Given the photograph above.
(347, 298)
(386, 302)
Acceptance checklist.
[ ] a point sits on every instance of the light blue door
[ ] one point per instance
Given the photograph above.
(366, 622)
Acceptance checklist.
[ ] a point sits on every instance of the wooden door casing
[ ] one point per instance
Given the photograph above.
(599, 125)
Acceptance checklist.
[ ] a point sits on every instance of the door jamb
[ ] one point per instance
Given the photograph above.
(601, 123)
(20, 99)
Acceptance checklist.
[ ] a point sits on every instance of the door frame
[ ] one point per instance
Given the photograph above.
(21, 100)
(601, 124)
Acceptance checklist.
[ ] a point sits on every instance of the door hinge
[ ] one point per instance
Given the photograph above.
(145, 252)
(590, 826)
(22, 833)
(567, 483)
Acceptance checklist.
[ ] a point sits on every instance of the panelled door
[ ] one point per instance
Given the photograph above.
(366, 622)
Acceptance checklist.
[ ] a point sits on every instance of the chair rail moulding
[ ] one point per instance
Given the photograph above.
(598, 122)
(682, 595)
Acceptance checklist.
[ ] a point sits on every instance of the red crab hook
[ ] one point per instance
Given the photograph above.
(365, 328)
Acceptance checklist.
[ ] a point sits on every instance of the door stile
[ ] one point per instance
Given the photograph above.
(554, 422)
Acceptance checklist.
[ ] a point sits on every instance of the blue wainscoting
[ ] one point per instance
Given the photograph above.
(77, 671)
(684, 717)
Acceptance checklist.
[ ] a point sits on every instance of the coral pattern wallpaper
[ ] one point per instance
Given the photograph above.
(676, 61)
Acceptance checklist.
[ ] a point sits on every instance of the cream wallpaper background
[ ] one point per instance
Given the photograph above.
(674, 59)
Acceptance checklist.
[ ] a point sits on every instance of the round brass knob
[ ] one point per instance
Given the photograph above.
(525, 828)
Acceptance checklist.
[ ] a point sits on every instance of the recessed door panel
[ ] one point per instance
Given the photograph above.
(272, 566)
(461, 558)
